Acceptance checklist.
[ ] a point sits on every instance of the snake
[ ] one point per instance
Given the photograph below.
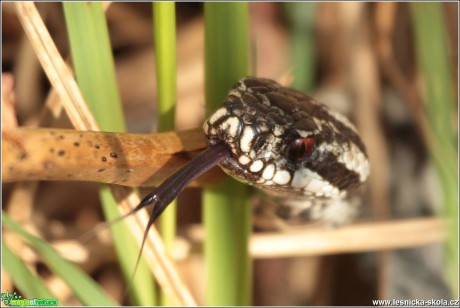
(279, 140)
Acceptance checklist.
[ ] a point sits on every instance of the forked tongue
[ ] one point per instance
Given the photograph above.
(164, 194)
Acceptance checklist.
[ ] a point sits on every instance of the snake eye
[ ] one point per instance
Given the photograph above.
(301, 148)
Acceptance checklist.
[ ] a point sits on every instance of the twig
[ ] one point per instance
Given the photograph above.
(364, 237)
(125, 159)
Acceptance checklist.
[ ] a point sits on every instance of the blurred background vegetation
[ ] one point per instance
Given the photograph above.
(392, 68)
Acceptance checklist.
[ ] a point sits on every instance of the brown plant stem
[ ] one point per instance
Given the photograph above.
(125, 159)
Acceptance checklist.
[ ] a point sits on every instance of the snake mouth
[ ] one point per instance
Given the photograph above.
(230, 164)
(232, 167)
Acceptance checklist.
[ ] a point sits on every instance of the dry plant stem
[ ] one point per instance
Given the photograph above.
(363, 237)
(82, 119)
(407, 88)
(125, 159)
(365, 86)
(385, 15)
(8, 116)
(356, 238)
(55, 67)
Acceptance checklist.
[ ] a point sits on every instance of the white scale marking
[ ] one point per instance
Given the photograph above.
(301, 178)
(339, 117)
(260, 181)
(268, 153)
(334, 148)
(278, 130)
(244, 160)
(269, 171)
(354, 160)
(318, 122)
(235, 92)
(315, 186)
(256, 166)
(312, 183)
(281, 177)
(302, 133)
(217, 115)
(231, 126)
(265, 101)
(242, 85)
(246, 139)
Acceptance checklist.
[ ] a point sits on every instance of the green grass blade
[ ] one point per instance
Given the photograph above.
(433, 60)
(164, 27)
(142, 286)
(93, 62)
(95, 73)
(164, 18)
(301, 16)
(226, 209)
(84, 288)
(28, 283)
(226, 49)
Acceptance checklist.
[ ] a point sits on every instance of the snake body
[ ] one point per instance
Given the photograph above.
(286, 143)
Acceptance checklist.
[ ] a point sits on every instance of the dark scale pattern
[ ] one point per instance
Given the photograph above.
(283, 102)
(328, 167)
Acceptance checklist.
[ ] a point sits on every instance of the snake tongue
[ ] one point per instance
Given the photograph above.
(162, 196)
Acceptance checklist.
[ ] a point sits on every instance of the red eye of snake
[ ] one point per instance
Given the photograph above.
(301, 148)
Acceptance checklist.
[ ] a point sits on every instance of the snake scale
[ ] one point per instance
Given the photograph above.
(282, 141)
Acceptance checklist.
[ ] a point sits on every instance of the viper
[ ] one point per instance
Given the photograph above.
(279, 140)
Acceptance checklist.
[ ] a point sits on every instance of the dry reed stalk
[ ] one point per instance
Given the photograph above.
(362, 237)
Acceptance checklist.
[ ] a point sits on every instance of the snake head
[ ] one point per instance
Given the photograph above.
(286, 143)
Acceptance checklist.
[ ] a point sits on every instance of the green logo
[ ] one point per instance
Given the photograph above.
(13, 299)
